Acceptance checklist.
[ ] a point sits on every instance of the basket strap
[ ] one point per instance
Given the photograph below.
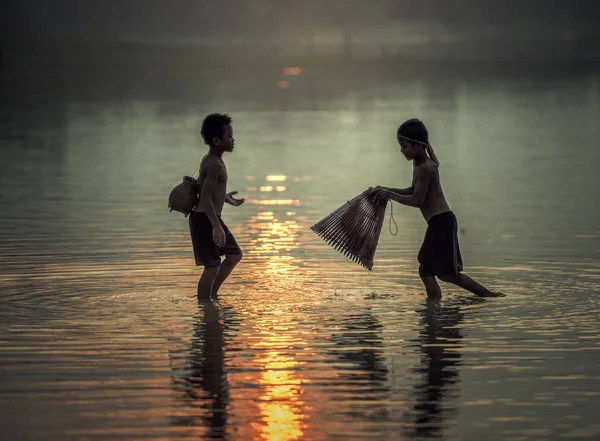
(392, 219)
(194, 173)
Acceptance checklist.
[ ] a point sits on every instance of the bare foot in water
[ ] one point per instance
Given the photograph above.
(493, 294)
(432, 300)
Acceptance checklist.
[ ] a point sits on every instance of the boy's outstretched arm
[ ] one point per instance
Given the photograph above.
(417, 198)
(404, 191)
(233, 201)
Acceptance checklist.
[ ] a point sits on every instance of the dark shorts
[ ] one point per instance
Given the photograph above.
(440, 254)
(206, 252)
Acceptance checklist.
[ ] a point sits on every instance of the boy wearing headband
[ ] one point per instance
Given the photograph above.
(439, 255)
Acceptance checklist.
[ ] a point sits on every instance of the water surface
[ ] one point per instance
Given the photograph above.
(101, 335)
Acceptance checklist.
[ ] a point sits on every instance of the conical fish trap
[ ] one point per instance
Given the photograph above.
(354, 228)
(184, 196)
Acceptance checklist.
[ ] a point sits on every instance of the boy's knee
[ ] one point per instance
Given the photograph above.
(427, 279)
(234, 258)
(450, 278)
(211, 270)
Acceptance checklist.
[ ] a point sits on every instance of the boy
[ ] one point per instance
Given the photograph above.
(440, 253)
(210, 236)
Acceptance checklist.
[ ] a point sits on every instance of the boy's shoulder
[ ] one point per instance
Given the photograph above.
(211, 162)
(428, 165)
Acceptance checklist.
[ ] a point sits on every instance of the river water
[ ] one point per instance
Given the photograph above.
(101, 336)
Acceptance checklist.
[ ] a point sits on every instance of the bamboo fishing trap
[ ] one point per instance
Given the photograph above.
(354, 228)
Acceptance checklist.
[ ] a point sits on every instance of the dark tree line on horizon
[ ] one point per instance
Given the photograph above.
(162, 19)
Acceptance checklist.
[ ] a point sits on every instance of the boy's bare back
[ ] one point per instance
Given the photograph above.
(212, 179)
(427, 175)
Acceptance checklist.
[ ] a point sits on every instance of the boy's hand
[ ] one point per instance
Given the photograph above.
(377, 189)
(219, 236)
(379, 194)
(233, 201)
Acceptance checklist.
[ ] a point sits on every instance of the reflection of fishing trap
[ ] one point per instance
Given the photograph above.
(183, 197)
(354, 228)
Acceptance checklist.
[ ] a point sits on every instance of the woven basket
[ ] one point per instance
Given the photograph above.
(354, 228)
(184, 196)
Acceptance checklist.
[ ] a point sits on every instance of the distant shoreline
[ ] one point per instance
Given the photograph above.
(114, 56)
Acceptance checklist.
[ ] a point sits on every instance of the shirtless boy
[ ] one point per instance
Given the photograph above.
(439, 255)
(211, 238)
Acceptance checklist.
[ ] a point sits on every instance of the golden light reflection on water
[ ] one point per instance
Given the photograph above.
(276, 178)
(271, 236)
(268, 188)
(274, 201)
(282, 411)
(268, 233)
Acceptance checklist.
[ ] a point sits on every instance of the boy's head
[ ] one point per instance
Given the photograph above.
(217, 131)
(413, 138)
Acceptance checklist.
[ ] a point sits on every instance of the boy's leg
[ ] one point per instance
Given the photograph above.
(227, 266)
(465, 282)
(206, 281)
(431, 286)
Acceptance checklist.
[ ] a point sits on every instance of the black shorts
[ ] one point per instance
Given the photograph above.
(206, 251)
(440, 254)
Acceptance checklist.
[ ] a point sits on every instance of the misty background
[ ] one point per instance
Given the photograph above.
(449, 30)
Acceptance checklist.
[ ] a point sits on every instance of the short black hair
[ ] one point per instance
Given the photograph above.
(414, 130)
(213, 126)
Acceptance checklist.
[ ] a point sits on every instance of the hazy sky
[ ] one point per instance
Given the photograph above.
(165, 20)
